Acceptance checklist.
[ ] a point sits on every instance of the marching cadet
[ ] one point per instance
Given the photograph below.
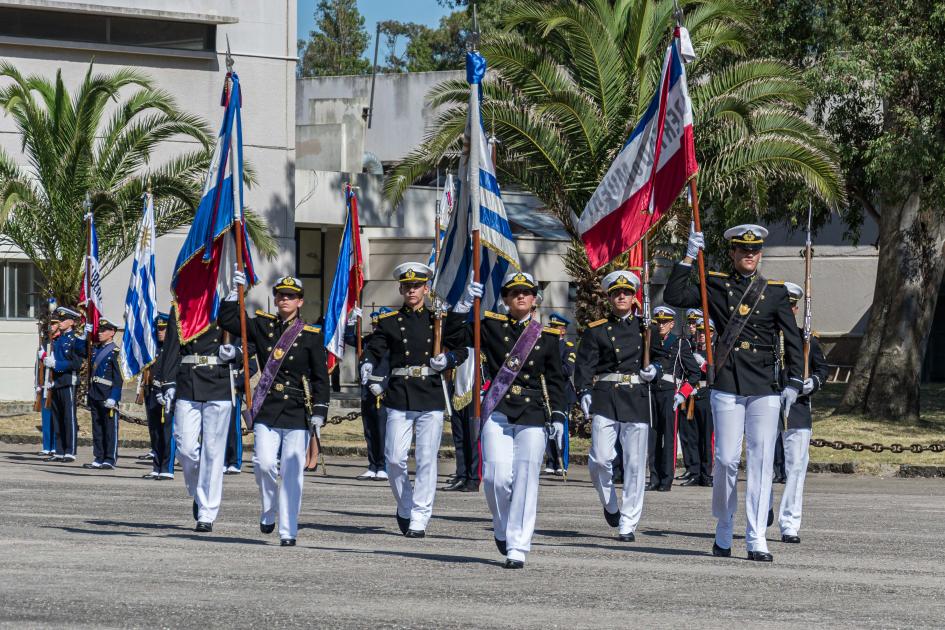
(414, 398)
(686, 425)
(746, 398)
(554, 455)
(611, 381)
(290, 401)
(797, 434)
(195, 384)
(525, 397)
(700, 473)
(160, 420)
(49, 434)
(103, 397)
(677, 366)
(373, 412)
(65, 361)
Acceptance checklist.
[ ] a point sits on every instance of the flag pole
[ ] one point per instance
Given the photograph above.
(475, 131)
(241, 289)
(700, 263)
(88, 287)
(357, 301)
(808, 285)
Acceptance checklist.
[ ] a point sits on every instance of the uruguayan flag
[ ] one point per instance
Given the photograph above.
(139, 341)
(480, 206)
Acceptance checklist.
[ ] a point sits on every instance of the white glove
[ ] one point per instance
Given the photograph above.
(239, 279)
(366, 370)
(648, 373)
(38, 389)
(473, 291)
(375, 389)
(160, 398)
(110, 403)
(50, 362)
(354, 315)
(227, 352)
(586, 405)
(88, 328)
(41, 354)
(439, 362)
(678, 401)
(551, 430)
(699, 358)
(696, 242)
(169, 399)
(808, 386)
(788, 398)
(315, 423)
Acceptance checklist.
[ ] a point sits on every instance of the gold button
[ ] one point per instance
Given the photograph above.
(268, 348)
(531, 363)
(525, 376)
(506, 395)
(407, 353)
(505, 339)
(616, 349)
(429, 340)
(527, 399)
(613, 339)
(286, 397)
(270, 335)
(290, 357)
(505, 325)
(295, 345)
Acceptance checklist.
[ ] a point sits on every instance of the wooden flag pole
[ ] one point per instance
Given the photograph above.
(647, 307)
(357, 325)
(700, 260)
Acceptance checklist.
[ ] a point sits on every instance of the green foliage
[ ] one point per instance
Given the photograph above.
(337, 44)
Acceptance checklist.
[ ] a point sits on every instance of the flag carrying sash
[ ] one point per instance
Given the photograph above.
(648, 174)
(454, 268)
(202, 274)
(346, 287)
(90, 296)
(139, 341)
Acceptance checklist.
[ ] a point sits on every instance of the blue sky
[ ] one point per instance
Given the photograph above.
(426, 12)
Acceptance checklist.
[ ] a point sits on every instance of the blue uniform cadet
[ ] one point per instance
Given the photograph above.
(49, 435)
(103, 396)
(556, 460)
(160, 419)
(64, 361)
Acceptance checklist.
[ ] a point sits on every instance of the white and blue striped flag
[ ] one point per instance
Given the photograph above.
(139, 342)
(477, 180)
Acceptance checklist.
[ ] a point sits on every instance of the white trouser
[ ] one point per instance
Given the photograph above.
(755, 418)
(633, 438)
(269, 466)
(511, 467)
(200, 432)
(415, 503)
(796, 456)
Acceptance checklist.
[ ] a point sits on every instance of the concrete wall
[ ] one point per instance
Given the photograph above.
(263, 43)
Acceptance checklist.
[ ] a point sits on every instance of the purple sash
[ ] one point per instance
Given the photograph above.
(511, 367)
(273, 364)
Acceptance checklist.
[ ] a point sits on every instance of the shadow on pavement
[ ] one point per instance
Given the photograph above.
(436, 557)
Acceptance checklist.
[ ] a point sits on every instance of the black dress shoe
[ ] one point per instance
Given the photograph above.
(415, 533)
(612, 518)
(692, 481)
(514, 564)
(618, 480)
(451, 480)
(469, 486)
(91, 466)
(664, 488)
(195, 510)
(500, 545)
(779, 479)
(652, 486)
(204, 527)
(456, 484)
(788, 538)
(287, 542)
(706, 482)
(760, 556)
(402, 523)
(770, 517)
(627, 537)
(54, 458)
(721, 552)
(267, 528)
(685, 476)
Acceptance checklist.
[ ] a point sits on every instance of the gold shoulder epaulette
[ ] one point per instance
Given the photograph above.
(554, 331)
(498, 316)
(386, 315)
(814, 333)
(717, 274)
(310, 328)
(779, 283)
(569, 344)
(265, 314)
(597, 323)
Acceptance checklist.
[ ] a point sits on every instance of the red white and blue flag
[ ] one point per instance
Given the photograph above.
(648, 174)
(90, 296)
(204, 266)
(346, 287)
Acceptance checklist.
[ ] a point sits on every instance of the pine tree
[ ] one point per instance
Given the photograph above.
(337, 44)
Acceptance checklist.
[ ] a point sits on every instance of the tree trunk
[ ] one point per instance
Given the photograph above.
(885, 379)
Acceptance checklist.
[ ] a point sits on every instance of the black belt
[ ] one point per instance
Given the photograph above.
(747, 345)
(518, 390)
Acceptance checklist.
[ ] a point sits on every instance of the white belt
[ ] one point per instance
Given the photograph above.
(101, 381)
(702, 384)
(622, 379)
(413, 370)
(669, 378)
(199, 359)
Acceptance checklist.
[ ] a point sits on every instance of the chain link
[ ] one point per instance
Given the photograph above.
(354, 415)
(875, 447)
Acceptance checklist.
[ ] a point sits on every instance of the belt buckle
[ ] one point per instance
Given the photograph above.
(279, 387)
(202, 360)
(416, 371)
(625, 379)
(516, 390)
(745, 345)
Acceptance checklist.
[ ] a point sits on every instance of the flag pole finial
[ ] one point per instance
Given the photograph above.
(474, 35)
(229, 57)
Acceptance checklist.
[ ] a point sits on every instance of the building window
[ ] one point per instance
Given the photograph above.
(310, 268)
(105, 29)
(19, 290)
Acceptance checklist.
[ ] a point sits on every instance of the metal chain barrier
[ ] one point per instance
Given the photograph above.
(354, 415)
(858, 447)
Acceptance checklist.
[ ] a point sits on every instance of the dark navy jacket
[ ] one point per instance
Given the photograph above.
(69, 351)
(106, 375)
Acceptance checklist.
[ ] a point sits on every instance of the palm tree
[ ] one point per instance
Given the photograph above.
(97, 145)
(569, 79)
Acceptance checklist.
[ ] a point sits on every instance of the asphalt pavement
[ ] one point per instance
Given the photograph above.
(95, 549)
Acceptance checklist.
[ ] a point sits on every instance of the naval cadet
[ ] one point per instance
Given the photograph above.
(613, 386)
(290, 401)
(103, 398)
(160, 420)
(526, 396)
(414, 398)
(686, 425)
(796, 435)
(68, 351)
(701, 471)
(746, 397)
(49, 435)
(554, 455)
(373, 412)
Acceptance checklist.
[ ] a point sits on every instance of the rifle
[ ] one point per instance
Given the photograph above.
(40, 371)
(143, 387)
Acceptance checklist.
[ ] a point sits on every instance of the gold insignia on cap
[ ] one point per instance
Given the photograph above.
(520, 278)
(749, 237)
(410, 275)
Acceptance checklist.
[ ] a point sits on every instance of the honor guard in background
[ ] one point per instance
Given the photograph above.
(796, 434)
(373, 412)
(555, 453)
(700, 472)
(611, 381)
(414, 397)
(524, 400)
(160, 420)
(196, 385)
(686, 425)
(49, 434)
(746, 398)
(677, 367)
(103, 397)
(233, 459)
(290, 401)
(68, 351)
